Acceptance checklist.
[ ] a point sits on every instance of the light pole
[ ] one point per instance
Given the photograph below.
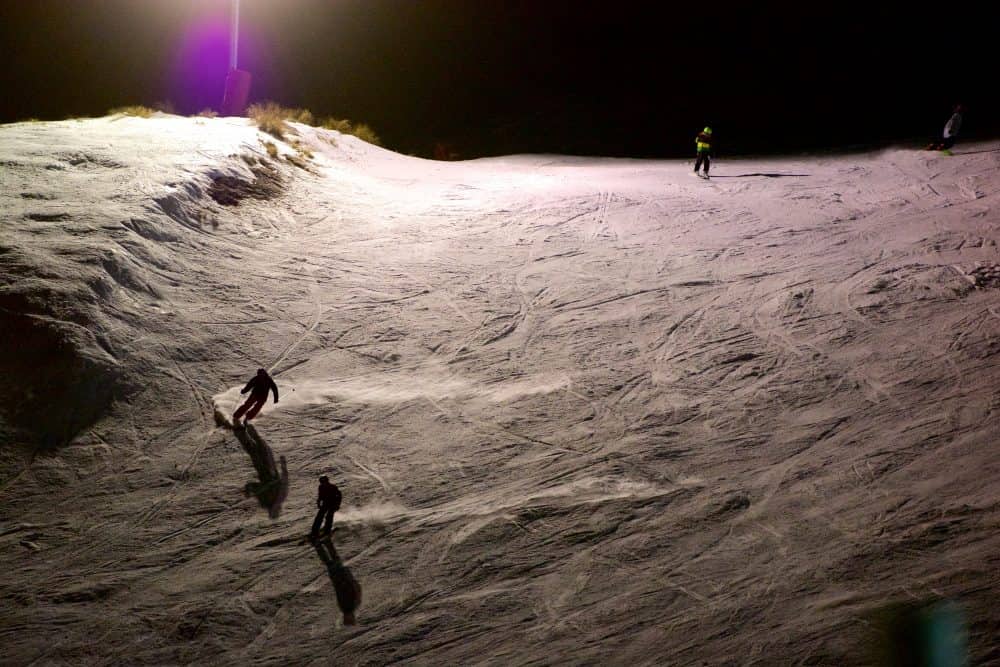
(234, 40)
(234, 98)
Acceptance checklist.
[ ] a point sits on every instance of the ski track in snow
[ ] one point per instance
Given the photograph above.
(583, 411)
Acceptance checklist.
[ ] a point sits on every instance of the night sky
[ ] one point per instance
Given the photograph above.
(492, 77)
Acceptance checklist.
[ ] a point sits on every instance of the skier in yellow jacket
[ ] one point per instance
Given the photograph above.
(703, 142)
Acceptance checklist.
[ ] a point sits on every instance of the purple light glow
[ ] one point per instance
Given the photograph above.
(201, 63)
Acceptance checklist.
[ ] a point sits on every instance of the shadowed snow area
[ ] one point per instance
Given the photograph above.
(582, 411)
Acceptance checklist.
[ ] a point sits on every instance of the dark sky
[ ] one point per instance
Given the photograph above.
(500, 76)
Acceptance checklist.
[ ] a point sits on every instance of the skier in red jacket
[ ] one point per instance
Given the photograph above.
(258, 386)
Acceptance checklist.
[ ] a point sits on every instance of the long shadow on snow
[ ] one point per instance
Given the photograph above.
(272, 489)
(344, 584)
(772, 175)
(991, 150)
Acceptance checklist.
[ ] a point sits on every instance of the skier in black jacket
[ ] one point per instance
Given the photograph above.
(258, 386)
(328, 502)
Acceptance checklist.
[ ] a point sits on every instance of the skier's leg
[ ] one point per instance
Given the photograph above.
(697, 162)
(708, 162)
(243, 408)
(255, 408)
(328, 524)
(317, 522)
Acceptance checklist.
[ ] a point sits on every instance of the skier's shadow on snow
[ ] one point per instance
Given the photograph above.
(347, 588)
(272, 487)
(765, 175)
(991, 150)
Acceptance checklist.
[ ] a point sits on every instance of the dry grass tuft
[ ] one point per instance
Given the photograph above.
(360, 130)
(366, 133)
(208, 113)
(303, 116)
(298, 161)
(302, 149)
(134, 110)
(270, 117)
(342, 126)
(272, 150)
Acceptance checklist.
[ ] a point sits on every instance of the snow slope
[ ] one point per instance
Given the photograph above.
(583, 411)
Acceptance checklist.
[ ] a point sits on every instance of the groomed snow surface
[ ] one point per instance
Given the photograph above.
(582, 411)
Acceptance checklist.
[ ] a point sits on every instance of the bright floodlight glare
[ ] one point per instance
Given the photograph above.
(235, 35)
(237, 90)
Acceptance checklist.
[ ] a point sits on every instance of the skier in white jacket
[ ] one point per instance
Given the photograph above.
(950, 133)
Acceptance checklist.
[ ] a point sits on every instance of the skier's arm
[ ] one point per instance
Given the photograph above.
(249, 385)
(274, 388)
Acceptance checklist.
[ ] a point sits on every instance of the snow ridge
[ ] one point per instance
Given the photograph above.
(94, 239)
(583, 411)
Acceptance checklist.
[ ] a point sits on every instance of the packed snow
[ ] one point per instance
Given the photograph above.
(582, 410)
